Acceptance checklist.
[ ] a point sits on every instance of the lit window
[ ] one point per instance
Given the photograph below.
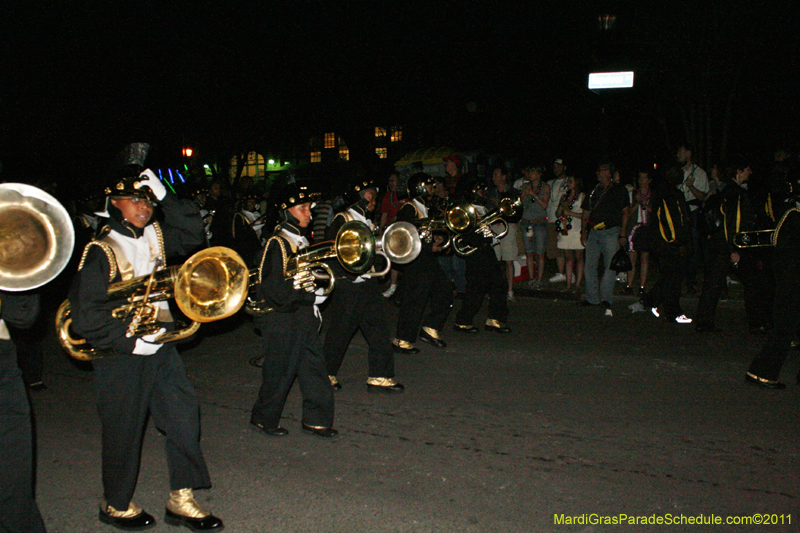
(254, 166)
(383, 153)
(330, 140)
(344, 153)
(316, 157)
(380, 132)
(397, 134)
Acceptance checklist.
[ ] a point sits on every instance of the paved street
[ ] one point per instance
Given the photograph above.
(573, 413)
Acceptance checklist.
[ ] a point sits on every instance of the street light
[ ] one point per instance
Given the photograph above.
(187, 152)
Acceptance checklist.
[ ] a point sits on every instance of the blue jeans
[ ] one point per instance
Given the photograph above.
(455, 269)
(600, 242)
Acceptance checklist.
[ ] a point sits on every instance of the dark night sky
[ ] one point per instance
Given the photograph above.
(78, 83)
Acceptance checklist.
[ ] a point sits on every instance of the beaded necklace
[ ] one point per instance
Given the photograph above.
(564, 222)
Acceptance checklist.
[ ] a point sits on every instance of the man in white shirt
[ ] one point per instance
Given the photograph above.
(558, 186)
(694, 188)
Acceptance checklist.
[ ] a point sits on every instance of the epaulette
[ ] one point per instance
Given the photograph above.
(284, 255)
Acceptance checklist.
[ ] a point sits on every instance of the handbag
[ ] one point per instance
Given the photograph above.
(621, 262)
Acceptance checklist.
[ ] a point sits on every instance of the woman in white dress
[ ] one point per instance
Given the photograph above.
(568, 227)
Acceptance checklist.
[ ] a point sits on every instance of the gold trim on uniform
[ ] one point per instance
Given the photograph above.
(494, 323)
(402, 344)
(433, 333)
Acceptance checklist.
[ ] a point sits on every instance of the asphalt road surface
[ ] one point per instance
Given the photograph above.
(571, 420)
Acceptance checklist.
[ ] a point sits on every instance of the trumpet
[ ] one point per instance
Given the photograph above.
(458, 219)
(508, 208)
(210, 285)
(354, 248)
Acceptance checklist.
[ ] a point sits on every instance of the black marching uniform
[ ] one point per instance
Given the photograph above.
(291, 340)
(357, 303)
(245, 237)
(670, 238)
(18, 510)
(485, 276)
(424, 283)
(129, 386)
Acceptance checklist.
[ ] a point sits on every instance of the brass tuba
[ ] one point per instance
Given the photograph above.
(210, 285)
(354, 248)
(36, 237)
(508, 208)
(400, 243)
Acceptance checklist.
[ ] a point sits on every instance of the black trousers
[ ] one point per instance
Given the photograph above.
(18, 510)
(354, 306)
(485, 275)
(666, 292)
(129, 387)
(293, 350)
(755, 272)
(717, 265)
(786, 316)
(419, 289)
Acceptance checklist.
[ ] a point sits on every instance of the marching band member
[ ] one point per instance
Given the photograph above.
(485, 275)
(357, 303)
(143, 377)
(246, 230)
(290, 333)
(423, 280)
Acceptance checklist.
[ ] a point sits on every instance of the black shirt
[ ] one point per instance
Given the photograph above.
(606, 205)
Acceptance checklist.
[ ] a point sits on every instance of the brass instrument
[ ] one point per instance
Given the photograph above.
(36, 237)
(354, 248)
(458, 219)
(508, 208)
(754, 239)
(400, 243)
(210, 285)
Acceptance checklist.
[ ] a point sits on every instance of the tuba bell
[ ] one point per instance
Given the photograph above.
(210, 285)
(458, 219)
(508, 208)
(36, 237)
(400, 242)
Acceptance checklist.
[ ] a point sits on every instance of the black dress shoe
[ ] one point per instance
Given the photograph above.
(208, 523)
(465, 329)
(763, 383)
(498, 329)
(424, 336)
(272, 432)
(140, 522)
(319, 432)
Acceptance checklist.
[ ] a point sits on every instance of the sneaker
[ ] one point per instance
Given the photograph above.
(388, 292)
(683, 319)
(511, 296)
(607, 307)
(655, 312)
(558, 277)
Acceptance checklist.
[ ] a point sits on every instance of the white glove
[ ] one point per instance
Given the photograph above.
(320, 297)
(304, 280)
(145, 345)
(154, 183)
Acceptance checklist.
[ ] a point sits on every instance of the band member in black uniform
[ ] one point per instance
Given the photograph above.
(142, 376)
(18, 510)
(485, 276)
(423, 281)
(765, 369)
(357, 303)
(246, 230)
(290, 332)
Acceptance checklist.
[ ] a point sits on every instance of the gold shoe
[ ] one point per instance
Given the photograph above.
(133, 518)
(182, 502)
(383, 385)
(335, 383)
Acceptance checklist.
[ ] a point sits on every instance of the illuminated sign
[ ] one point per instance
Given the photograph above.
(611, 80)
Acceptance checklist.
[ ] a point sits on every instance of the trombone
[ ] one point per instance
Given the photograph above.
(508, 208)
(210, 285)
